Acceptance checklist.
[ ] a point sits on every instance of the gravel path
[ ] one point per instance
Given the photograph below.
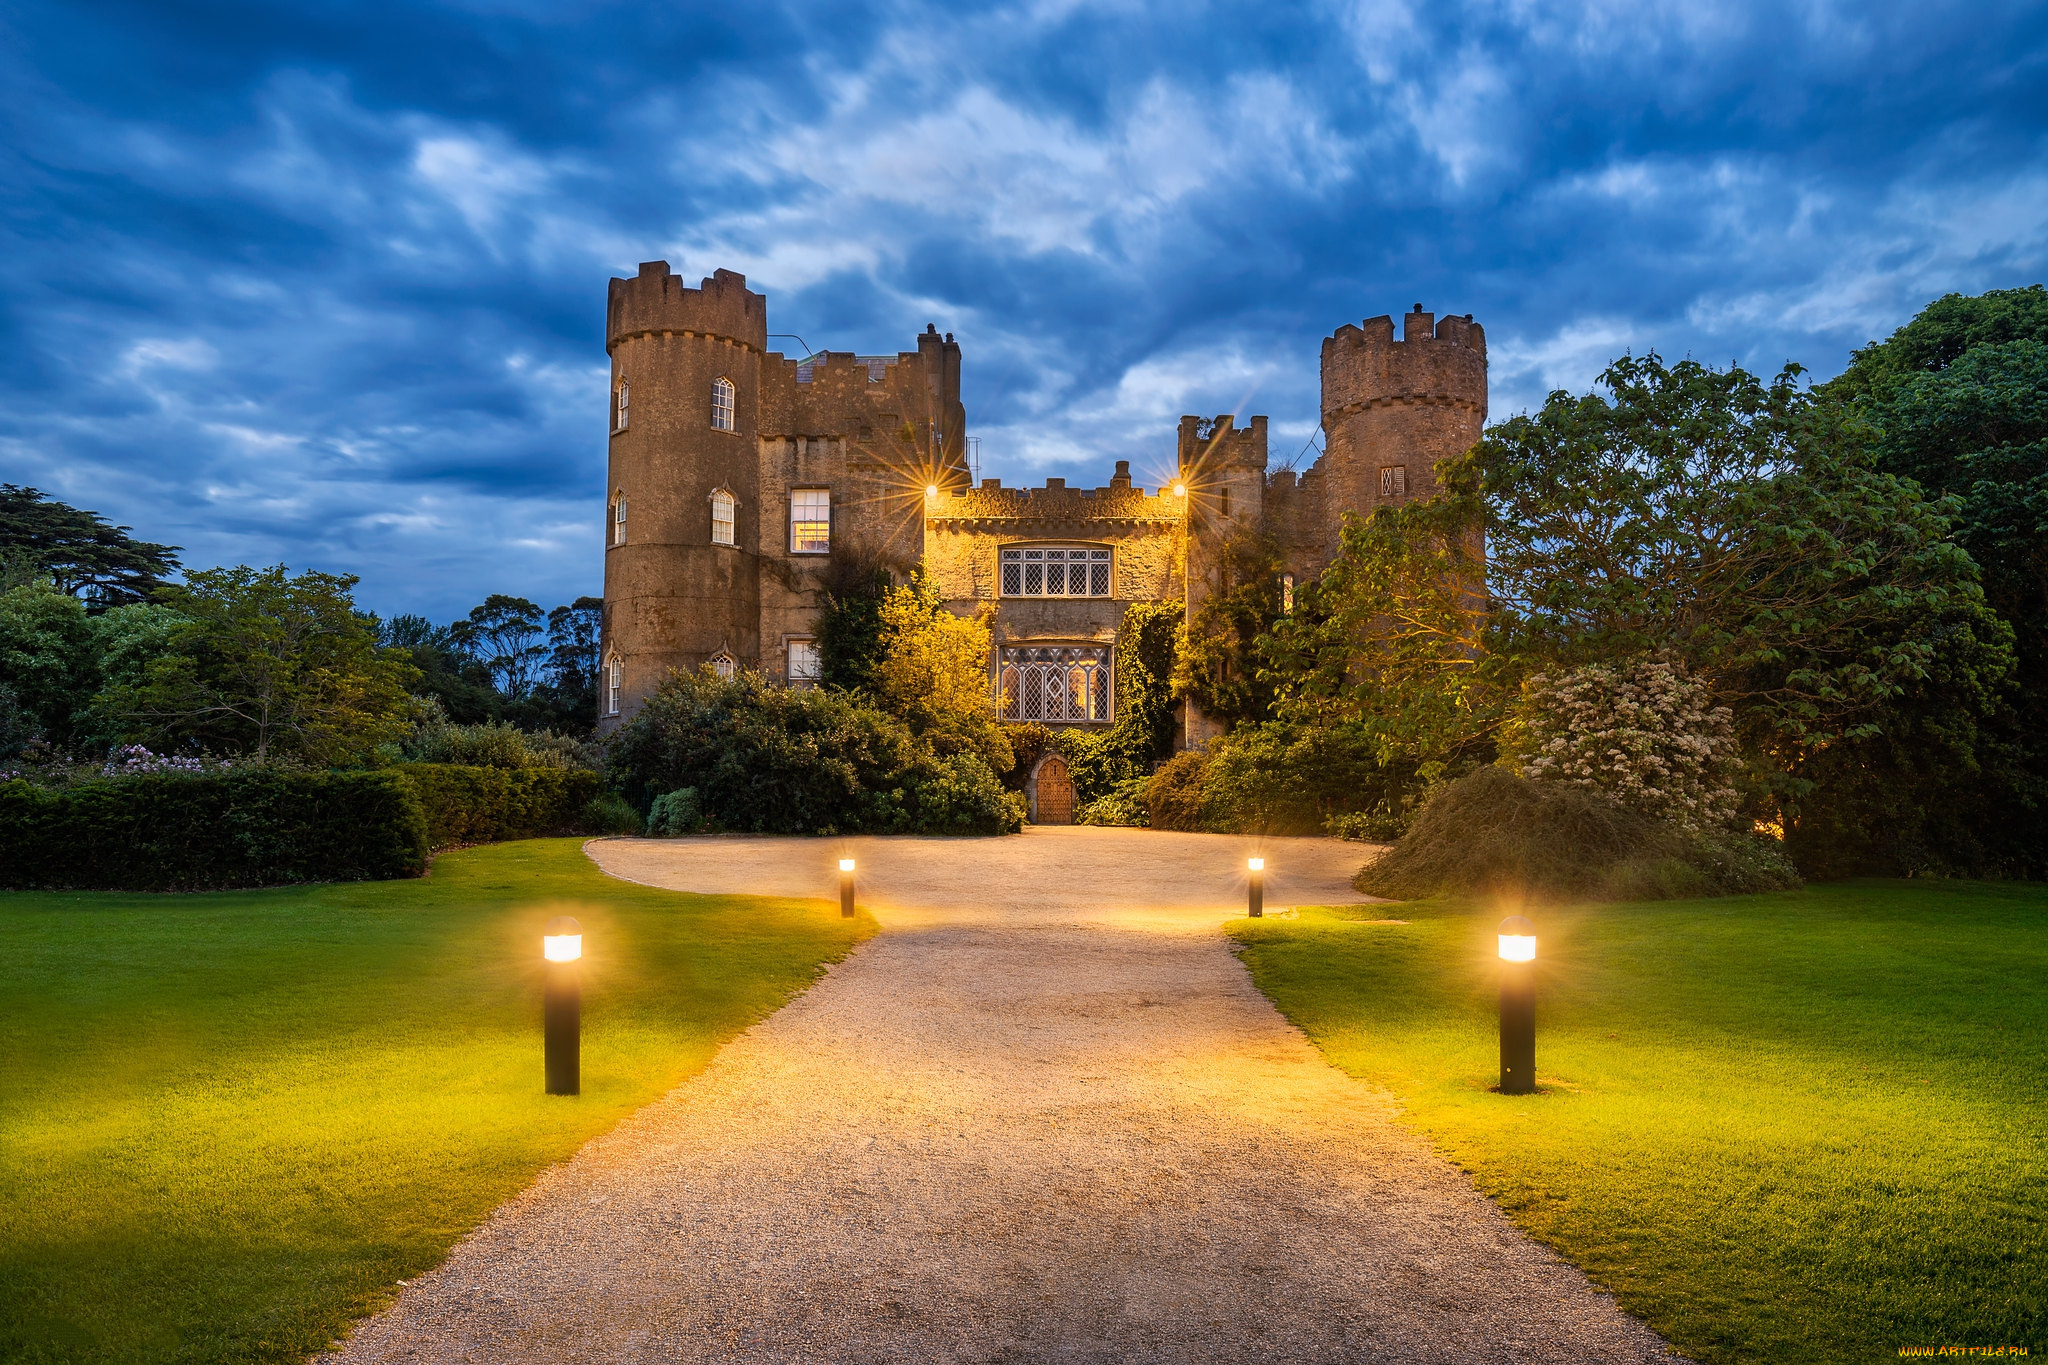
(1042, 1116)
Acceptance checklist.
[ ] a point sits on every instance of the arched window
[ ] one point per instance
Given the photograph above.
(724, 664)
(619, 412)
(721, 404)
(619, 520)
(721, 517)
(614, 683)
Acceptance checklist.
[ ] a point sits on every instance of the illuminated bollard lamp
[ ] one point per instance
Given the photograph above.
(846, 887)
(562, 945)
(1258, 887)
(1517, 1006)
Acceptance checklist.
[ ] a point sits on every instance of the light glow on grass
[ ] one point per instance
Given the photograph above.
(234, 1121)
(1806, 1126)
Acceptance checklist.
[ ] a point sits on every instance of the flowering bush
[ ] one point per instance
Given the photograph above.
(1642, 732)
(133, 760)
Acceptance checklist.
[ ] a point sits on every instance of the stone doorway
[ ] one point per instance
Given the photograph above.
(1052, 792)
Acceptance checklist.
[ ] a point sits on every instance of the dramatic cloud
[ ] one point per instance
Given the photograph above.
(300, 283)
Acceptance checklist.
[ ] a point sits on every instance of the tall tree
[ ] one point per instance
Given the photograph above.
(507, 634)
(270, 665)
(1732, 524)
(1958, 401)
(79, 550)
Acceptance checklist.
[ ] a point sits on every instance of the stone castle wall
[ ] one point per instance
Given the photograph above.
(886, 435)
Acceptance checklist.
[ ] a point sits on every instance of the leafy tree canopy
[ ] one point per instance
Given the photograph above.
(1942, 333)
(83, 554)
(1706, 515)
(1217, 665)
(267, 665)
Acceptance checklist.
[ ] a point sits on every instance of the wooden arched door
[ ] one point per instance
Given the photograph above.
(1055, 792)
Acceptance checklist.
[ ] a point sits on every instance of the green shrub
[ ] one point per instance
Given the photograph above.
(1377, 826)
(1493, 833)
(253, 827)
(1123, 804)
(1173, 795)
(479, 805)
(958, 794)
(611, 813)
(766, 759)
(1279, 778)
(678, 812)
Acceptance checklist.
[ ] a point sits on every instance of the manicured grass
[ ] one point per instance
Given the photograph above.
(1798, 1127)
(229, 1123)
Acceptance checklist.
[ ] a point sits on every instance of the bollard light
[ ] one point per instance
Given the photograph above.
(846, 887)
(1258, 888)
(1517, 1006)
(561, 945)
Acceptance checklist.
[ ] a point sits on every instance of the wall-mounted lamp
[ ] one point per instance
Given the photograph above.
(846, 887)
(561, 945)
(1180, 490)
(931, 490)
(1517, 1006)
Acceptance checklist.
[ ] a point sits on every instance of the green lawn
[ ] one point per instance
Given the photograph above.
(1799, 1127)
(229, 1123)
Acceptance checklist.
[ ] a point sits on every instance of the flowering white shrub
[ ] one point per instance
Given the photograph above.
(1643, 732)
(133, 760)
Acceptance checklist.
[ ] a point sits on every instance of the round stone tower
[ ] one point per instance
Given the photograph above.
(1391, 409)
(684, 407)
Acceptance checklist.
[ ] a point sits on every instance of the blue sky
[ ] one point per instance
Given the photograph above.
(325, 284)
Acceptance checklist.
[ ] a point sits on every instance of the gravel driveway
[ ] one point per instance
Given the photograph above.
(1042, 1116)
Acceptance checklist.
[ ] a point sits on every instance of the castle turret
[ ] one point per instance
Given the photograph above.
(1391, 409)
(682, 572)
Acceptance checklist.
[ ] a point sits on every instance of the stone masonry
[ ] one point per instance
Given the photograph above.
(720, 448)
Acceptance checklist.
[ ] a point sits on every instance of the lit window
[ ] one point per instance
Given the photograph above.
(614, 682)
(721, 518)
(805, 667)
(1060, 683)
(1055, 571)
(1394, 481)
(810, 521)
(721, 404)
(1287, 592)
(619, 522)
(620, 414)
(725, 665)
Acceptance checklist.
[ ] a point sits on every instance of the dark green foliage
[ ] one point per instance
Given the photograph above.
(77, 550)
(678, 812)
(1944, 330)
(765, 759)
(611, 813)
(1495, 834)
(259, 827)
(472, 805)
(1957, 400)
(1279, 778)
(497, 665)
(48, 665)
(850, 625)
(461, 684)
(1103, 760)
(1173, 798)
(1219, 665)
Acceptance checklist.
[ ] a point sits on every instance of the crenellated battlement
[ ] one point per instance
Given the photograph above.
(655, 302)
(1435, 361)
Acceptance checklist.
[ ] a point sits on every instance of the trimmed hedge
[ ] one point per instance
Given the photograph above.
(204, 832)
(466, 805)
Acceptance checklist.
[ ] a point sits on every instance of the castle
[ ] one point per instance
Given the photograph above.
(738, 477)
